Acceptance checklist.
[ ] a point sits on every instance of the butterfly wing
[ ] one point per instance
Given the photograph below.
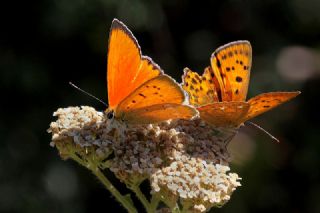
(127, 69)
(224, 114)
(159, 112)
(231, 65)
(156, 100)
(201, 89)
(267, 101)
(213, 83)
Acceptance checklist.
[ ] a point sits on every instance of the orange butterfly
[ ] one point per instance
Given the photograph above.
(220, 93)
(138, 90)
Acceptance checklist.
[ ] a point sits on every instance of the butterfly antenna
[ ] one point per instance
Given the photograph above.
(263, 130)
(92, 96)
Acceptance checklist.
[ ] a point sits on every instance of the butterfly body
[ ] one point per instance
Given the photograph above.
(220, 93)
(138, 90)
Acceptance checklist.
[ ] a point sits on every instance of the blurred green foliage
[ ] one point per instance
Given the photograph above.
(45, 44)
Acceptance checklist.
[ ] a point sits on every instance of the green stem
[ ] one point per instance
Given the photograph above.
(141, 197)
(173, 205)
(105, 165)
(123, 200)
(149, 206)
(176, 209)
(79, 160)
(154, 203)
(97, 172)
(185, 207)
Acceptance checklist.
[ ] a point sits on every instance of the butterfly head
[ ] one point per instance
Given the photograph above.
(109, 114)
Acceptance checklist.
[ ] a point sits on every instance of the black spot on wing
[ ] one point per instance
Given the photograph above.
(238, 79)
(198, 78)
(142, 95)
(210, 92)
(218, 63)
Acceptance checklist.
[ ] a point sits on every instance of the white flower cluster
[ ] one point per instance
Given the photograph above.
(184, 159)
(81, 124)
(200, 183)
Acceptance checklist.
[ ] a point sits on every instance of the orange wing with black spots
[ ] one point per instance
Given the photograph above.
(138, 91)
(201, 89)
(156, 100)
(229, 81)
(232, 114)
(267, 101)
(231, 65)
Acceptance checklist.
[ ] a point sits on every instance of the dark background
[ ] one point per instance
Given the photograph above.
(45, 44)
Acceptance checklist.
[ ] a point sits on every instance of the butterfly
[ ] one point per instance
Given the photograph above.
(220, 93)
(138, 90)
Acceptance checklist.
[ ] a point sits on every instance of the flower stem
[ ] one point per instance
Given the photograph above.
(171, 203)
(141, 197)
(125, 201)
(122, 199)
(176, 209)
(154, 203)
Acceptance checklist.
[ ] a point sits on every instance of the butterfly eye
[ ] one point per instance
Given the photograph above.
(110, 115)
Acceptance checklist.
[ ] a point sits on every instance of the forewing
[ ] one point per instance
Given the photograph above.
(126, 69)
(231, 65)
